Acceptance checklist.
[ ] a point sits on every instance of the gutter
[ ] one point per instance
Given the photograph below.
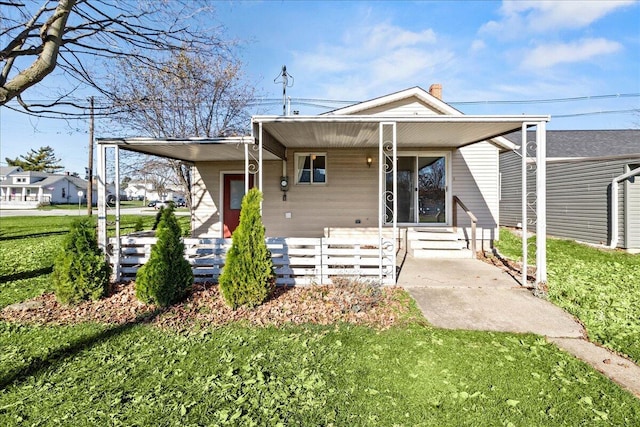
(614, 204)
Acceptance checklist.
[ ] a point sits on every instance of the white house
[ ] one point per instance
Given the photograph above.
(28, 189)
(405, 170)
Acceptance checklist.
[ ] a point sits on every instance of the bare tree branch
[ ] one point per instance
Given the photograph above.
(84, 39)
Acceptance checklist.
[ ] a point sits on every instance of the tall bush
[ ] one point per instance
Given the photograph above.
(80, 270)
(247, 278)
(167, 276)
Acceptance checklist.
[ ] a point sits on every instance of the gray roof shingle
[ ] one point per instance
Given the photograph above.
(587, 143)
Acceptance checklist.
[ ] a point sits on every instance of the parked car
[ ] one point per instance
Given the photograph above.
(164, 204)
(152, 204)
(181, 203)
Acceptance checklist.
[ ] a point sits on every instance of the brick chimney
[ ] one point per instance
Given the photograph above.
(436, 90)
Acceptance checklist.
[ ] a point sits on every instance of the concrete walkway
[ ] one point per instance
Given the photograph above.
(473, 295)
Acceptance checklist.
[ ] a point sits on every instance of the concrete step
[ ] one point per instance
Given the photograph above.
(431, 236)
(437, 244)
(440, 253)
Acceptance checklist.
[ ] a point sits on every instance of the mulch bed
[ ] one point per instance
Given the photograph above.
(379, 307)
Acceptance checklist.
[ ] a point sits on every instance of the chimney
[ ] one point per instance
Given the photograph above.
(436, 90)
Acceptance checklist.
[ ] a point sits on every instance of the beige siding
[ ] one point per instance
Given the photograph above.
(405, 107)
(350, 194)
(475, 182)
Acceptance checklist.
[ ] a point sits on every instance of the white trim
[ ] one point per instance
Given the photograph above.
(435, 104)
(615, 230)
(516, 119)
(298, 155)
(541, 205)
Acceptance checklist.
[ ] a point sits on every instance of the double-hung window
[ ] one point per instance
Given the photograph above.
(311, 168)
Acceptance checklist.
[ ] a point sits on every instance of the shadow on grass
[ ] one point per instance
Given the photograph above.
(27, 236)
(58, 356)
(26, 274)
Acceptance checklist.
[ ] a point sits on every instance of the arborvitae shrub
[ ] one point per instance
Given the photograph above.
(80, 270)
(158, 218)
(247, 278)
(167, 276)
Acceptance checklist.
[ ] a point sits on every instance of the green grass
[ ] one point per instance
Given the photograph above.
(137, 374)
(315, 375)
(28, 246)
(600, 287)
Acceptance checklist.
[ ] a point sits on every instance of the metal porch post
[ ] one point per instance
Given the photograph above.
(246, 168)
(101, 177)
(524, 205)
(541, 203)
(116, 248)
(383, 195)
(260, 163)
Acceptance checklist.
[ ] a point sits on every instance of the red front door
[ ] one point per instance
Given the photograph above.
(232, 200)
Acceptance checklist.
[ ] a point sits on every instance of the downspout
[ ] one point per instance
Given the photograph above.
(614, 204)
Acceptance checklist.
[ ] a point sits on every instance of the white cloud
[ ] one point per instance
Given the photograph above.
(526, 17)
(478, 45)
(546, 56)
(369, 60)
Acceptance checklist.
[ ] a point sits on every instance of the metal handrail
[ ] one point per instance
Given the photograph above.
(474, 222)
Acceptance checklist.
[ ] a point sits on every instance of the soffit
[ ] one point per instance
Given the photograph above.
(189, 150)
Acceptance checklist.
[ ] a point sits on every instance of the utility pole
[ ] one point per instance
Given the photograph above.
(90, 168)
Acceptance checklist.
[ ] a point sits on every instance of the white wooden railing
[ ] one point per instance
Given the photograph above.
(297, 261)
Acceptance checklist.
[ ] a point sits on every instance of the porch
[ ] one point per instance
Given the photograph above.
(266, 160)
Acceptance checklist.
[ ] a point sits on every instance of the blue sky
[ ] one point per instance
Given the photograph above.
(480, 51)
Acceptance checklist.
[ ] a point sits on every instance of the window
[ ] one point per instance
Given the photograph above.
(311, 168)
(21, 180)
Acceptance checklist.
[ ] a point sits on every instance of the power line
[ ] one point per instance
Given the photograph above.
(100, 100)
(593, 113)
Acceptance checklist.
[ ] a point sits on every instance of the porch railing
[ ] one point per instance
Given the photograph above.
(297, 261)
(472, 217)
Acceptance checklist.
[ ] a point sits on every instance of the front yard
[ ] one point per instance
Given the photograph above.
(145, 372)
(600, 287)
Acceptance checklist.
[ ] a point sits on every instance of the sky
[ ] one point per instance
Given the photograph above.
(578, 61)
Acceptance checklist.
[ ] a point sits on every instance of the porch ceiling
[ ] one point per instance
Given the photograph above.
(362, 131)
(189, 149)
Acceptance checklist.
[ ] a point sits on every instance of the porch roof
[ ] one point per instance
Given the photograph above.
(335, 131)
(352, 131)
(189, 149)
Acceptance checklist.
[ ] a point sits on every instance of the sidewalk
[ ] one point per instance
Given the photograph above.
(473, 295)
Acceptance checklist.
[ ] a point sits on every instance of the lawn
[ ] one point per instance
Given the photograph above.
(600, 287)
(307, 375)
(28, 246)
(140, 374)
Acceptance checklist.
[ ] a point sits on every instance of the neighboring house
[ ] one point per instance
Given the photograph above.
(139, 190)
(24, 189)
(581, 168)
(395, 168)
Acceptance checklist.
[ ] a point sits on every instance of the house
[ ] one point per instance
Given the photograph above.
(141, 190)
(593, 186)
(402, 172)
(28, 189)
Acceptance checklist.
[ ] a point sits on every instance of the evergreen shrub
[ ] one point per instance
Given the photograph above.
(247, 278)
(167, 276)
(80, 270)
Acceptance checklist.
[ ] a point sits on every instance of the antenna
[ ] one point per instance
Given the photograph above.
(285, 84)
